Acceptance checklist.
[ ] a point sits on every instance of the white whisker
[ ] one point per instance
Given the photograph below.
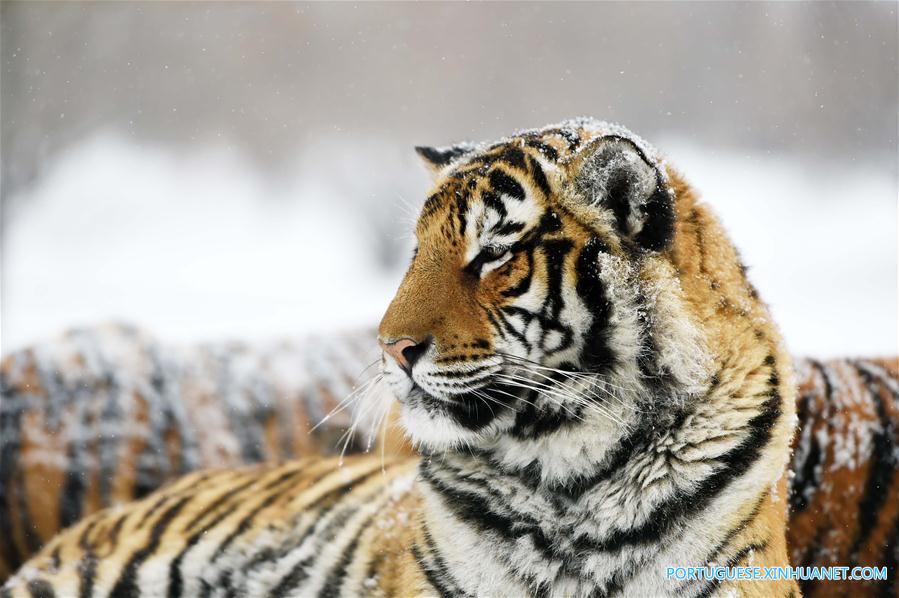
(547, 390)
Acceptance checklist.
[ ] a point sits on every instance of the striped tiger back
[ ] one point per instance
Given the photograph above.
(106, 415)
(305, 528)
(844, 499)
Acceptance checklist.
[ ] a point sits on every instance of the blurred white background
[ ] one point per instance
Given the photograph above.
(221, 170)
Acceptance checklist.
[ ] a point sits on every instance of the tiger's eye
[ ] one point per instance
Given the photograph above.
(493, 253)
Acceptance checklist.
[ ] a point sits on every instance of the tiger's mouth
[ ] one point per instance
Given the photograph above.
(473, 408)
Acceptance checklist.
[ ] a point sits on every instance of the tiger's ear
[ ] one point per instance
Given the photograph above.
(614, 173)
(438, 159)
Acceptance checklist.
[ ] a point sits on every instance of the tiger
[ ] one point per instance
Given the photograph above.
(107, 414)
(595, 388)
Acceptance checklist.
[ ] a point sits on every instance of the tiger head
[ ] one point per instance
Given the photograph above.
(546, 296)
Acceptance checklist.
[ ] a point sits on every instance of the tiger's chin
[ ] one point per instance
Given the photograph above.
(465, 420)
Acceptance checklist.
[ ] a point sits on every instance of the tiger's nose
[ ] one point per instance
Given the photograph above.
(405, 351)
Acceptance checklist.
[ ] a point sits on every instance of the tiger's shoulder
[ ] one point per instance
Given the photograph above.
(311, 526)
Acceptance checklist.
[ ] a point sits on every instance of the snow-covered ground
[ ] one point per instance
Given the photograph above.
(203, 246)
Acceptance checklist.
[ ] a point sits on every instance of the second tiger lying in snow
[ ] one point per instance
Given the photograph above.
(597, 391)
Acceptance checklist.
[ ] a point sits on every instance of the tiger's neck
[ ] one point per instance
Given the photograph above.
(705, 488)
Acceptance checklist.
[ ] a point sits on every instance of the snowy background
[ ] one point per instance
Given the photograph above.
(223, 170)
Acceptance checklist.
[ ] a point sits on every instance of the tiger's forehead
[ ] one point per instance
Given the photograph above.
(516, 168)
(490, 197)
(527, 156)
(533, 162)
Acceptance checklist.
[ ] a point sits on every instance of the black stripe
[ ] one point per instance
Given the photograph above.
(504, 184)
(806, 478)
(550, 152)
(295, 577)
(27, 527)
(219, 501)
(880, 471)
(157, 504)
(246, 522)
(476, 509)
(374, 562)
(712, 584)
(237, 493)
(205, 589)
(627, 573)
(87, 566)
(240, 420)
(108, 441)
(566, 133)
(732, 533)
(492, 201)
(87, 572)
(890, 554)
(494, 319)
(168, 495)
(300, 571)
(507, 228)
(468, 505)
(11, 409)
(153, 464)
(176, 580)
(476, 374)
(430, 573)
(705, 589)
(555, 252)
(512, 156)
(267, 554)
(438, 574)
(473, 411)
(441, 157)
(804, 474)
(531, 423)
(113, 537)
(335, 578)
(164, 382)
(461, 209)
(666, 517)
(526, 316)
(633, 444)
(432, 204)
(597, 353)
(40, 588)
(126, 585)
(539, 177)
(74, 487)
(523, 285)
